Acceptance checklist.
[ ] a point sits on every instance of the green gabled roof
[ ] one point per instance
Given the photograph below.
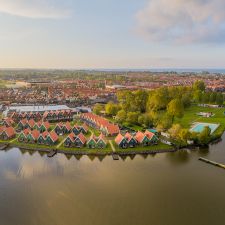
(91, 141)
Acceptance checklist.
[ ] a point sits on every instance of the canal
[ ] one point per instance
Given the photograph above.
(163, 189)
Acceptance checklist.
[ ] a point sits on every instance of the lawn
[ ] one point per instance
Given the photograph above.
(106, 150)
(190, 116)
(158, 147)
(33, 146)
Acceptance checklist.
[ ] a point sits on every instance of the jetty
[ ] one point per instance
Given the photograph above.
(212, 162)
(3, 147)
(52, 153)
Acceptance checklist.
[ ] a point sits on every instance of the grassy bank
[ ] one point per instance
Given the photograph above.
(83, 151)
(106, 150)
(160, 147)
(190, 116)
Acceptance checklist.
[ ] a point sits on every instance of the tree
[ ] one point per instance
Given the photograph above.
(204, 136)
(141, 120)
(212, 98)
(199, 85)
(154, 117)
(156, 102)
(97, 108)
(175, 108)
(219, 99)
(132, 117)
(111, 109)
(184, 135)
(140, 100)
(145, 120)
(121, 116)
(165, 122)
(126, 100)
(186, 99)
(197, 96)
(175, 130)
(205, 97)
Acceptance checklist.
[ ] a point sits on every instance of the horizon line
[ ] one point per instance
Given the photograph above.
(112, 69)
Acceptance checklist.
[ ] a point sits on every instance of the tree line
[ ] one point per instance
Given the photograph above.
(158, 107)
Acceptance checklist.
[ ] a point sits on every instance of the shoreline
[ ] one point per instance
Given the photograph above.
(7, 145)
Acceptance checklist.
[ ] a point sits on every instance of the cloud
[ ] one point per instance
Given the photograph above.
(183, 21)
(34, 8)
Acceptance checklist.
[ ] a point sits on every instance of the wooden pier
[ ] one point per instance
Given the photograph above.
(3, 147)
(52, 153)
(212, 162)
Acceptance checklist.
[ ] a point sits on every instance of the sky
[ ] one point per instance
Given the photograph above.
(112, 34)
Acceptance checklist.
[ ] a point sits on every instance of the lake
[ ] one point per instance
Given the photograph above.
(164, 189)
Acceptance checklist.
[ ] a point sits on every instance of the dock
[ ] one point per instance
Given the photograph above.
(52, 153)
(3, 147)
(115, 156)
(212, 162)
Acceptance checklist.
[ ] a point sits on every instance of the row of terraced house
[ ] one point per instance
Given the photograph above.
(76, 134)
(31, 124)
(35, 136)
(100, 123)
(80, 141)
(140, 138)
(7, 133)
(51, 116)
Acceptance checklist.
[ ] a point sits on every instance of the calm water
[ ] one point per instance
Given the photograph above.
(163, 189)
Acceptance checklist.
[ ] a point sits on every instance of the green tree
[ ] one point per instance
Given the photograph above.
(111, 109)
(175, 108)
(121, 116)
(156, 102)
(140, 100)
(219, 99)
(199, 85)
(141, 120)
(205, 97)
(97, 109)
(165, 122)
(175, 130)
(212, 98)
(154, 117)
(204, 136)
(132, 117)
(197, 96)
(184, 135)
(186, 99)
(126, 100)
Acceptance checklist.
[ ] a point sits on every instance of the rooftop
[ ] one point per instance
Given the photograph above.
(35, 108)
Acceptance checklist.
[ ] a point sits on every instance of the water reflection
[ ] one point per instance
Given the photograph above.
(202, 152)
(68, 189)
(179, 157)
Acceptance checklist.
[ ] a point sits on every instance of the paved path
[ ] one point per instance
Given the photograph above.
(60, 143)
(112, 146)
(12, 140)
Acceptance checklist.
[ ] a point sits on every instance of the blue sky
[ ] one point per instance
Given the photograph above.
(112, 34)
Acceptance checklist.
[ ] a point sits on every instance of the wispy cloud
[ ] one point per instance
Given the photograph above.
(50, 9)
(183, 21)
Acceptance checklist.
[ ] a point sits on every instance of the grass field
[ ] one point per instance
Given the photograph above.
(190, 116)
